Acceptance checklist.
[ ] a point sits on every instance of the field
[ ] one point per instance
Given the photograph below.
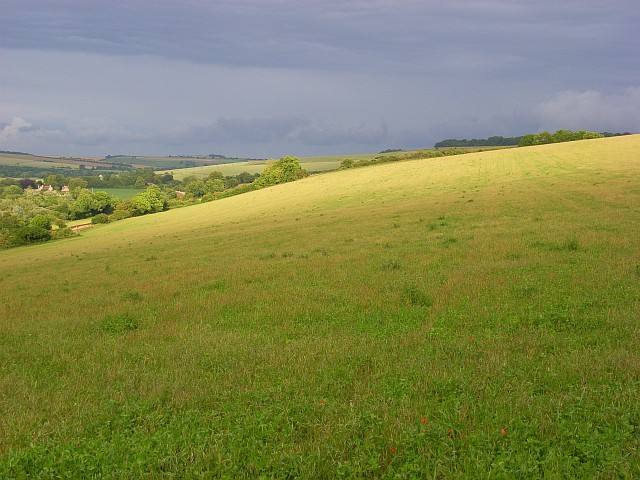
(311, 164)
(122, 193)
(474, 316)
(48, 163)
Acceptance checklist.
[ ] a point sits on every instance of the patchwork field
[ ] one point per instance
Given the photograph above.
(472, 316)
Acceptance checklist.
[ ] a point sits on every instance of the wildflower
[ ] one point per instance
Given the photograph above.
(503, 432)
(393, 449)
(423, 420)
(471, 337)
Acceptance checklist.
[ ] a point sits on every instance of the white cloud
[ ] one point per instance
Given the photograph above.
(591, 110)
(11, 130)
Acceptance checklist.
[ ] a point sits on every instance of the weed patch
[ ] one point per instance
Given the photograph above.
(216, 286)
(391, 264)
(416, 297)
(120, 323)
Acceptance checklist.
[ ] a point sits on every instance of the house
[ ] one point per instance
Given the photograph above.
(65, 188)
(45, 188)
(180, 194)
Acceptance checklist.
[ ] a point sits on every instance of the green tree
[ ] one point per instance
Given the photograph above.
(77, 182)
(287, 169)
(55, 180)
(542, 138)
(564, 136)
(149, 201)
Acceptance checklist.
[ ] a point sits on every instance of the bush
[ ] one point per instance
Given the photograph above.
(63, 233)
(100, 218)
(120, 215)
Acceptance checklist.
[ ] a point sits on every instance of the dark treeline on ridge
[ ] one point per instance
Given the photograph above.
(496, 141)
(526, 140)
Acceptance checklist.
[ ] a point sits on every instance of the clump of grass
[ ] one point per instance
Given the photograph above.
(416, 297)
(132, 295)
(450, 241)
(120, 323)
(571, 244)
(391, 264)
(217, 286)
(268, 256)
(287, 254)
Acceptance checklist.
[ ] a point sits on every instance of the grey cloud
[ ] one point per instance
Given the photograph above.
(367, 133)
(591, 110)
(224, 129)
(416, 36)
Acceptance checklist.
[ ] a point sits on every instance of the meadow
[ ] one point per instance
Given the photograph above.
(474, 316)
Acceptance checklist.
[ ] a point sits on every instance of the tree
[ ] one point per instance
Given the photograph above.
(12, 191)
(55, 180)
(564, 136)
(287, 169)
(77, 182)
(27, 183)
(542, 138)
(149, 201)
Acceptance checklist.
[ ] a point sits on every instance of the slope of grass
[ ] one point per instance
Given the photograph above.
(469, 316)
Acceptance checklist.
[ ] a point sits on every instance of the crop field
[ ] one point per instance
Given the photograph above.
(474, 316)
(33, 161)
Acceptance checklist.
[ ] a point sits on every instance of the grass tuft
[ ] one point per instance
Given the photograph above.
(120, 323)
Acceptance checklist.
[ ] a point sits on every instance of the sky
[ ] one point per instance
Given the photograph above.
(268, 78)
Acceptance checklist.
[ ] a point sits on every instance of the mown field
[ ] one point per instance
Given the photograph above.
(474, 316)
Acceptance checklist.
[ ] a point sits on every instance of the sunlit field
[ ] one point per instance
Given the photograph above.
(471, 316)
(311, 164)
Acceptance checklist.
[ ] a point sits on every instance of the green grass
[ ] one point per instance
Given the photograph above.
(122, 193)
(472, 316)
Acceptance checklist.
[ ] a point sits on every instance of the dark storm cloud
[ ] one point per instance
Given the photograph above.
(417, 36)
(280, 76)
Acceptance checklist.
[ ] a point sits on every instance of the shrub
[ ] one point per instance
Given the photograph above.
(120, 215)
(100, 218)
(63, 233)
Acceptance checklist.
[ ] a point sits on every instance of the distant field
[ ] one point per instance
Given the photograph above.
(161, 163)
(32, 161)
(121, 193)
(312, 164)
(473, 316)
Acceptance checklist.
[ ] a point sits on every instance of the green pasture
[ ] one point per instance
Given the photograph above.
(227, 169)
(474, 316)
(121, 193)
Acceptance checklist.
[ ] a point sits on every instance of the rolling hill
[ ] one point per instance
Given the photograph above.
(461, 316)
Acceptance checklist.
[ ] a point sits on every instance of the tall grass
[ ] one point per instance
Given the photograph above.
(472, 316)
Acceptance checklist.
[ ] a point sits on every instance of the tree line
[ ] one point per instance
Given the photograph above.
(525, 140)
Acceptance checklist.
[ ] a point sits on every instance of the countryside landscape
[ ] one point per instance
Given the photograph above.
(319, 240)
(473, 315)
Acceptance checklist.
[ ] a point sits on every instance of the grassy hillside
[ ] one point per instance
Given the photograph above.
(471, 316)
